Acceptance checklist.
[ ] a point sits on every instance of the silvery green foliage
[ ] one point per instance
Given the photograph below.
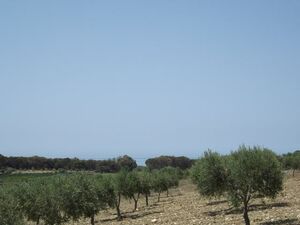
(40, 199)
(9, 212)
(253, 172)
(245, 174)
(85, 195)
(209, 173)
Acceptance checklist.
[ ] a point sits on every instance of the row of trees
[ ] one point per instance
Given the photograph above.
(60, 198)
(110, 165)
(291, 161)
(242, 176)
(181, 162)
(41, 163)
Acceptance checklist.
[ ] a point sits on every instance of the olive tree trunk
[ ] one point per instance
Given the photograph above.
(93, 220)
(245, 213)
(136, 201)
(118, 207)
(147, 202)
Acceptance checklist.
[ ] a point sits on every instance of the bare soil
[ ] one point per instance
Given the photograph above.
(186, 206)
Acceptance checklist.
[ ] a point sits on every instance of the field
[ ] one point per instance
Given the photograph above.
(185, 206)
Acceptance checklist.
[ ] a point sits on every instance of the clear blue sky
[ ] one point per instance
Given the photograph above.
(98, 79)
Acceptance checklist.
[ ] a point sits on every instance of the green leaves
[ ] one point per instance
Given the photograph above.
(243, 175)
(10, 214)
(146, 182)
(165, 179)
(85, 195)
(58, 199)
(254, 172)
(209, 173)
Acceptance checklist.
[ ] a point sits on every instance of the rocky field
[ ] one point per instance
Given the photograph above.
(186, 206)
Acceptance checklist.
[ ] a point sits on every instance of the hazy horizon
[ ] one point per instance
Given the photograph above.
(98, 80)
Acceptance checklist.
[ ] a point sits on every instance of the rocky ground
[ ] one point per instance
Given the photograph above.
(185, 206)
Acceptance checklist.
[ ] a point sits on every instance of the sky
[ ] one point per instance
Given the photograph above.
(100, 79)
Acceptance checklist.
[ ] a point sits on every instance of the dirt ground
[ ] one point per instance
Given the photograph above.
(185, 206)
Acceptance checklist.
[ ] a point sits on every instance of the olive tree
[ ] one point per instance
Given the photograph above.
(292, 161)
(160, 183)
(10, 214)
(119, 184)
(296, 162)
(252, 172)
(132, 189)
(86, 195)
(209, 173)
(30, 200)
(171, 175)
(245, 174)
(146, 184)
(40, 199)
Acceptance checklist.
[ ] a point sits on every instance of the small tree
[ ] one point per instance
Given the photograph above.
(10, 214)
(30, 200)
(40, 199)
(171, 175)
(253, 172)
(160, 183)
(119, 184)
(52, 201)
(132, 188)
(209, 173)
(126, 162)
(146, 184)
(292, 161)
(126, 184)
(85, 195)
(248, 173)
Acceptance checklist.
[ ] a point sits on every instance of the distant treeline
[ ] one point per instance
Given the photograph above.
(160, 162)
(288, 161)
(42, 163)
(105, 166)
